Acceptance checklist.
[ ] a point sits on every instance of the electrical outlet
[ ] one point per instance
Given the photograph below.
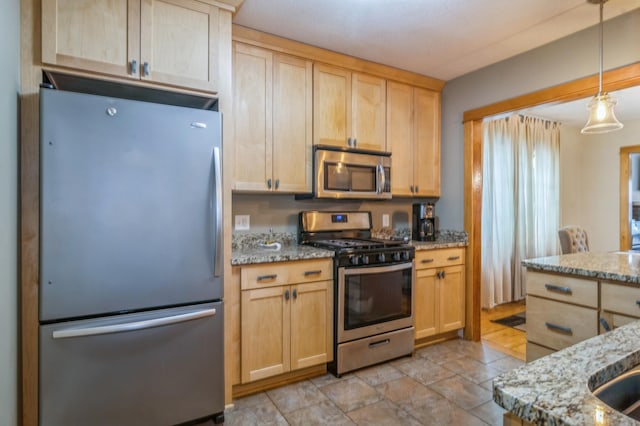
(385, 221)
(242, 222)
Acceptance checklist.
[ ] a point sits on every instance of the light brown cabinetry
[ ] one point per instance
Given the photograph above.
(620, 304)
(561, 311)
(172, 42)
(413, 137)
(286, 317)
(348, 108)
(439, 292)
(272, 118)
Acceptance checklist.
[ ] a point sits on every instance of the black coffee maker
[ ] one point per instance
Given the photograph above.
(424, 222)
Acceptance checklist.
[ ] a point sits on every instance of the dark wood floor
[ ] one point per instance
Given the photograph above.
(502, 338)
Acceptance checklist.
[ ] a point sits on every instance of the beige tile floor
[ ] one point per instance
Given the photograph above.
(444, 384)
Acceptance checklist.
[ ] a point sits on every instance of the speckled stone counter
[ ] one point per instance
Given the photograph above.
(246, 248)
(614, 266)
(556, 389)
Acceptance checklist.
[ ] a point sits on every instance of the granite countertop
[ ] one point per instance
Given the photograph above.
(614, 266)
(556, 389)
(246, 249)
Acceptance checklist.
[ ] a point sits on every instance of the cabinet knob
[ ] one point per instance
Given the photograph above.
(349, 142)
(269, 183)
(134, 67)
(417, 190)
(145, 69)
(277, 183)
(355, 142)
(295, 293)
(411, 188)
(286, 294)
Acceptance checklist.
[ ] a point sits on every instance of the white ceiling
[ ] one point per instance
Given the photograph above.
(443, 39)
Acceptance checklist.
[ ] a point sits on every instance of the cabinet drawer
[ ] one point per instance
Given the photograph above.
(284, 273)
(558, 325)
(536, 351)
(620, 299)
(579, 291)
(439, 258)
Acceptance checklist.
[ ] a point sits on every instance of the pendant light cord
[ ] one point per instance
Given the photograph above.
(601, 36)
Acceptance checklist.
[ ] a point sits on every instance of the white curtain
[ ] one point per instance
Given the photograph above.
(520, 202)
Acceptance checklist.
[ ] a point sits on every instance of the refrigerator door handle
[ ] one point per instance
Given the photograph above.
(218, 209)
(132, 326)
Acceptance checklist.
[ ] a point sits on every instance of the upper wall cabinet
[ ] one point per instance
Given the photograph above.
(348, 109)
(272, 117)
(413, 137)
(172, 42)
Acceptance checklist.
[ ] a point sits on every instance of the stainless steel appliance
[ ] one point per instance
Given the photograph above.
(424, 222)
(351, 173)
(373, 289)
(131, 311)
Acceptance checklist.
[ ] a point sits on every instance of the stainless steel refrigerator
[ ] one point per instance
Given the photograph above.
(131, 312)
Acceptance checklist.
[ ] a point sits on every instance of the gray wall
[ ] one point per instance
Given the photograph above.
(9, 87)
(568, 59)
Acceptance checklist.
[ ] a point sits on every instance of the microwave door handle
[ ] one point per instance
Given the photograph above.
(381, 179)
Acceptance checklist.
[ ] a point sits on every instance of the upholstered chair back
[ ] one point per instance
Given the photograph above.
(573, 239)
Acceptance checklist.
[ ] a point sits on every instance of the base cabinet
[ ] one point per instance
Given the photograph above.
(439, 292)
(285, 327)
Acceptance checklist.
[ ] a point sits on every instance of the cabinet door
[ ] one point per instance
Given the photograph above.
(369, 103)
(400, 137)
(311, 324)
(425, 305)
(451, 298)
(292, 124)
(252, 102)
(178, 41)
(331, 105)
(426, 164)
(265, 339)
(102, 36)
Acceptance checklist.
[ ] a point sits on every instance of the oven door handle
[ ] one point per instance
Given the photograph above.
(376, 269)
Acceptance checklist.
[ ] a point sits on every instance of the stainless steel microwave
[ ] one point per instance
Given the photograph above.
(351, 173)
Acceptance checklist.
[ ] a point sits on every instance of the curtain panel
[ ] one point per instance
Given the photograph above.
(520, 202)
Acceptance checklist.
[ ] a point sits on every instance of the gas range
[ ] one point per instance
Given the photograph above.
(348, 234)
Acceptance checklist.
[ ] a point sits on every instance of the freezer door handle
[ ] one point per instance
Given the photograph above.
(218, 208)
(132, 326)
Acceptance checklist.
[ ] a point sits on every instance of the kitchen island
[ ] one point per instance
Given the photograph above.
(556, 389)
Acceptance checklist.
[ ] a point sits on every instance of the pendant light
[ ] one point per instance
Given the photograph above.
(602, 118)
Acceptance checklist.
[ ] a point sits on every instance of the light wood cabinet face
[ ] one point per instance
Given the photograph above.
(425, 303)
(439, 291)
(369, 102)
(172, 42)
(285, 327)
(94, 35)
(264, 343)
(413, 137)
(311, 324)
(272, 119)
(331, 105)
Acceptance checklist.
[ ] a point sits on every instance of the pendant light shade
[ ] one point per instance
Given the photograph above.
(602, 118)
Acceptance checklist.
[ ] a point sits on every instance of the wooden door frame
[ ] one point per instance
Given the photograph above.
(616, 79)
(625, 205)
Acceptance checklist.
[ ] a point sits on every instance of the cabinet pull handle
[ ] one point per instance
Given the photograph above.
(134, 67)
(561, 329)
(286, 294)
(426, 260)
(349, 142)
(379, 343)
(355, 142)
(438, 274)
(638, 302)
(444, 274)
(145, 68)
(269, 183)
(453, 257)
(315, 272)
(277, 183)
(267, 277)
(411, 188)
(417, 190)
(559, 289)
(295, 293)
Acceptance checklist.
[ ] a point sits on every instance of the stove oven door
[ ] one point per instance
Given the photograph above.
(374, 300)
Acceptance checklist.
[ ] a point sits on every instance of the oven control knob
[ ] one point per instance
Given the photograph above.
(355, 259)
(365, 259)
(396, 256)
(381, 258)
(405, 255)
